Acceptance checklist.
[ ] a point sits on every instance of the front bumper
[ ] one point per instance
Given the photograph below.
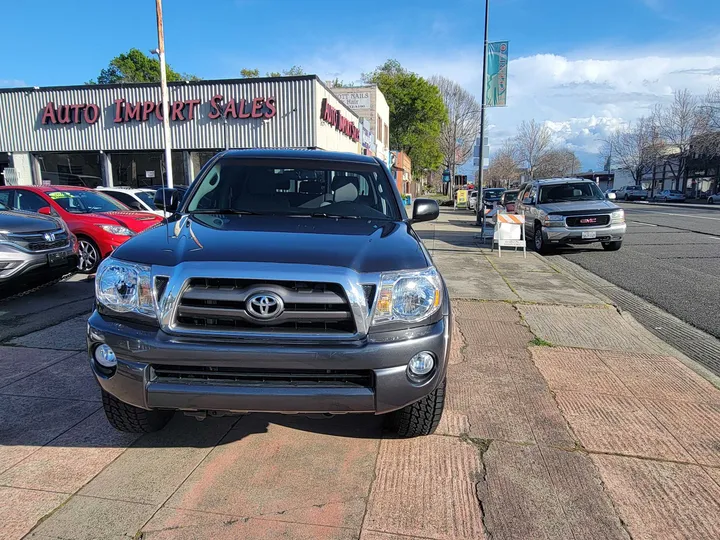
(19, 265)
(574, 235)
(385, 355)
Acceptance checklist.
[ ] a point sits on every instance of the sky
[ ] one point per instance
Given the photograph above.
(583, 67)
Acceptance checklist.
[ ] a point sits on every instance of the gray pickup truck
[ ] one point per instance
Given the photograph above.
(570, 211)
(34, 250)
(285, 281)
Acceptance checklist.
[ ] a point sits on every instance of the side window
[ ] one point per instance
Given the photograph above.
(125, 198)
(29, 201)
(6, 197)
(531, 193)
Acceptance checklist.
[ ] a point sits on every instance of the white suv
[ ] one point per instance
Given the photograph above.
(136, 199)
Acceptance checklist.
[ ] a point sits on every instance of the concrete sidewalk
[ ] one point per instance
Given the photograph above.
(564, 419)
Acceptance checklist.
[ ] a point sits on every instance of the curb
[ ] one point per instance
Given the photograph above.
(675, 205)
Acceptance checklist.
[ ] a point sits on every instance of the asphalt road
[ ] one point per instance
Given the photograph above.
(670, 257)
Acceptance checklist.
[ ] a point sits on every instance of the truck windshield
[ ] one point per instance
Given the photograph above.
(295, 188)
(579, 191)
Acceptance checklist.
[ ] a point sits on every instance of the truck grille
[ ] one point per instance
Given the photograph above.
(38, 241)
(587, 221)
(264, 377)
(306, 307)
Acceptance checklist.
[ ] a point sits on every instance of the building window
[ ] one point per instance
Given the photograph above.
(71, 169)
(387, 134)
(379, 131)
(146, 169)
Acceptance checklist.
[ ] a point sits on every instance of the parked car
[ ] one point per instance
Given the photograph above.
(292, 281)
(508, 200)
(632, 193)
(142, 199)
(34, 249)
(670, 195)
(492, 196)
(472, 201)
(712, 199)
(571, 211)
(100, 223)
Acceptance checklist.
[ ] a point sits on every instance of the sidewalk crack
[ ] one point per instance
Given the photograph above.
(481, 490)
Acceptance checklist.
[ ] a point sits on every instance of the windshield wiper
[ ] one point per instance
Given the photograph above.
(333, 216)
(226, 211)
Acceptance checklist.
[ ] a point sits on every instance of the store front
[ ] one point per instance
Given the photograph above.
(112, 135)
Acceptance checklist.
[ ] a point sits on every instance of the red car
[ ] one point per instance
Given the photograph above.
(100, 222)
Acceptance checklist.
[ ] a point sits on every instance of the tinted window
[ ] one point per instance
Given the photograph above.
(124, 198)
(296, 187)
(85, 202)
(29, 201)
(5, 197)
(148, 197)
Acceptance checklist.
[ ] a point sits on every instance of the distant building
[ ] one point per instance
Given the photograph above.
(369, 103)
(401, 167)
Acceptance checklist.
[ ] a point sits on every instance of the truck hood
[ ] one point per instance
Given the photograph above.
(26, 222)
(578, 207)
(360, 245)
(135, 221)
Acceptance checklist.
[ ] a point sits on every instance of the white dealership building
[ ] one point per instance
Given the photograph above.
(112, 134)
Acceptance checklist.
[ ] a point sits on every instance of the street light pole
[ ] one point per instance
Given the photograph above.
(480, 219)
(164, 94)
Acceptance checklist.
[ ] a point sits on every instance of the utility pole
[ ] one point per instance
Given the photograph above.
(164, 94)
(480, 218)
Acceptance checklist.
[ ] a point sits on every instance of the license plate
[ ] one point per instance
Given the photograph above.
(57, 259)
(589, 234)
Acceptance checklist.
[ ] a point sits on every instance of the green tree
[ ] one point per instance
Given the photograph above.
(417, 113)
(247, 73)
(134, 67)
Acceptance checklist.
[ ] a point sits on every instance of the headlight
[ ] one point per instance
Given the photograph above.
(554, 221)
(618, 216)
(408, 296)
(125, 287)
(117, 230)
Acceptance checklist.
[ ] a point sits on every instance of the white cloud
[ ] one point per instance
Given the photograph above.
(582, 96)
(12, 83)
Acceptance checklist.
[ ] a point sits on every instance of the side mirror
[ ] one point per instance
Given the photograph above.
(611, 196)
(45, 210)
(425, 210)
(529, 201)
(167, 199)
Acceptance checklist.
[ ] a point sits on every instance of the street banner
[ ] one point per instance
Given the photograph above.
(497, 65)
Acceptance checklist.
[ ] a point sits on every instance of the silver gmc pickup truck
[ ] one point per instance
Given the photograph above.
(570, 211)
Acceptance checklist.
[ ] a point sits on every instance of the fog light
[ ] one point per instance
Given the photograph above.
(422, 363)
(105, 356)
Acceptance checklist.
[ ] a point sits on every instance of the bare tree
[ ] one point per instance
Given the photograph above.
(635, 148)
(557, 163)
(679, 125)
(457, 135)
(710, 110)
(504, 167)
(532, 142)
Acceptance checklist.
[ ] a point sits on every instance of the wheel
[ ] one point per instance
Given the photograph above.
(538, 241)
(124, 417)
(88, 255)
(612, 246)
(711, 200)
(422, 417)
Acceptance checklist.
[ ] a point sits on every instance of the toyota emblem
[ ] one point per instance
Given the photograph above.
(49, 237)
(264, 306)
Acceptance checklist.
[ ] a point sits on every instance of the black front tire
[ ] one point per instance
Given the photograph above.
(422, 417)
(611, 246)
(539, 242)
(124, 417)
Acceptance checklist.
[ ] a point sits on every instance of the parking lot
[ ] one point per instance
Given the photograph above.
(547, 432)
